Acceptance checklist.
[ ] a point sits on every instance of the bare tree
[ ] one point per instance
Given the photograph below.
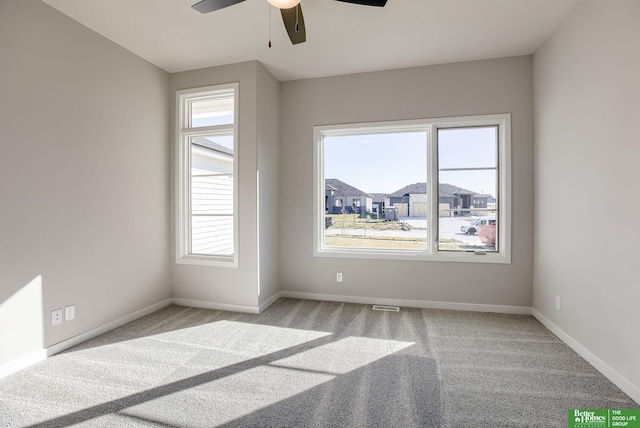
(344, 212)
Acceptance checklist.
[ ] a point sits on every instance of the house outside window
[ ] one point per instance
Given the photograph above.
(206, 230)
(445, 184)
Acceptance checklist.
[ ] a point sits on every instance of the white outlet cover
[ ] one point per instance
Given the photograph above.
(56, 317)
(69, 312)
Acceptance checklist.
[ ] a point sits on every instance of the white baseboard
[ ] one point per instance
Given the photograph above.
(425, 304)
(42, 354)
(216, 306)
(76, 340)
(22, 362)
(270, 301)
(620, 381)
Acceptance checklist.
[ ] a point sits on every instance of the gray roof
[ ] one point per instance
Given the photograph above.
(411, 188)
(342, 188)
(378, 197)
(454, 190)
(208, 144)
(444, 190)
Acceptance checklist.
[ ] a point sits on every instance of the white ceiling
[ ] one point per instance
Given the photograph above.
(342, 38)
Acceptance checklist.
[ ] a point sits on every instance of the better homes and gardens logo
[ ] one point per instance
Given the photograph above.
(589, 418)
(604, 418)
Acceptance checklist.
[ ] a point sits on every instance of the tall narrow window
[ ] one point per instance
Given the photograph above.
(207, 178)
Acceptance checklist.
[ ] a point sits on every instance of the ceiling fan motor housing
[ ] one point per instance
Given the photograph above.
(290, 10)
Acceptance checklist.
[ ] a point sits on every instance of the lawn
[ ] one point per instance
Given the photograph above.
(353, 221)
(390, 242)
(385, 242)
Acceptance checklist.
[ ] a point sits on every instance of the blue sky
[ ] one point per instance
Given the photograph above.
(384, 163)
(378, 163)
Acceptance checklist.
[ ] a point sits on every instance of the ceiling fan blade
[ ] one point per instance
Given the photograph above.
(206, 6)
(294, 23)
(379, 3)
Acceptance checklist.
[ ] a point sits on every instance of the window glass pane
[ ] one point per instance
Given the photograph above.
(212, 235)
(467, 181)
(467, 147)
(375, 190)
(462, 182)
(212, 195)
(218, 110)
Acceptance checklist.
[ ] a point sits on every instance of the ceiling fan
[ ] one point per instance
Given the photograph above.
(290, 10)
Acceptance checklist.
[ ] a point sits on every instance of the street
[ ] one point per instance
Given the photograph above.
(449, 229)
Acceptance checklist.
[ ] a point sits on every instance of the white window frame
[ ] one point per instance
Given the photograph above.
(184, 132)
(430, 126)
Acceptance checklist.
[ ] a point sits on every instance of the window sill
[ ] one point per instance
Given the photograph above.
(213, 261)
(421, 256)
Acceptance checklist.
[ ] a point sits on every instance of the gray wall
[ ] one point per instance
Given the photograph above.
(587, 92)
(269, 192)
(83, 178)
(257, 151)
(472, 88)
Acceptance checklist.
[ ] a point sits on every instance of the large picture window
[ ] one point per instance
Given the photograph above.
(207, 175)
(418, 190)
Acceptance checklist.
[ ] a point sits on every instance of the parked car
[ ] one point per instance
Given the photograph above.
(474, 226)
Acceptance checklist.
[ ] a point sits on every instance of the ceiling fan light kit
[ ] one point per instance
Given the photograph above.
(292, 18)
(379, 3)
(284, 4)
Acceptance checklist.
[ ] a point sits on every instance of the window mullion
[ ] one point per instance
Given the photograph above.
(432, 189)
(209, 130)
(484, 168)
(188, 186)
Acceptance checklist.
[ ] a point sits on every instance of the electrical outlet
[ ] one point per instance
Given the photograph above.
(69, 312)
(557, 303)
(56, 317)
(339, 277)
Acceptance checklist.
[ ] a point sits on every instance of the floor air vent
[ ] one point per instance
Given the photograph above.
(386, 308)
